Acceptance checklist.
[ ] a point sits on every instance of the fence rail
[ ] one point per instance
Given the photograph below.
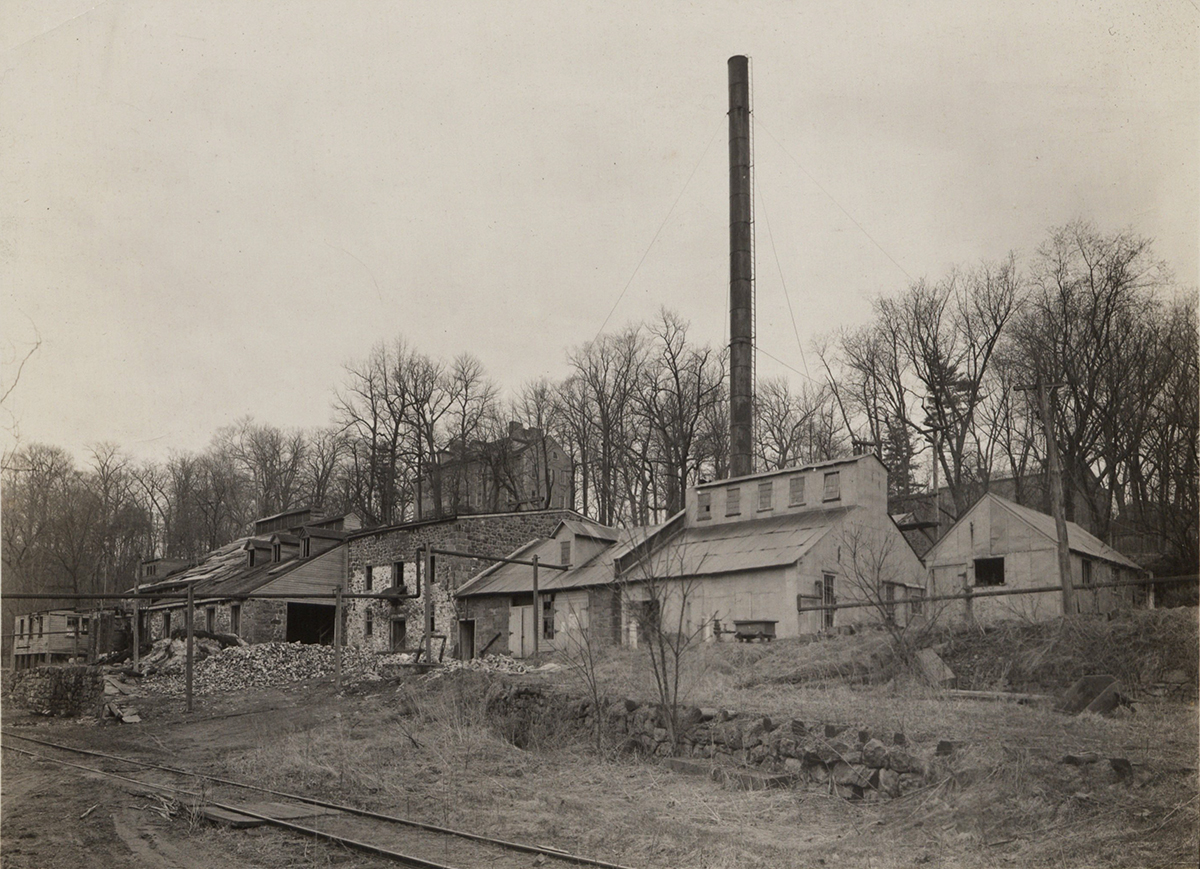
(1001, 592)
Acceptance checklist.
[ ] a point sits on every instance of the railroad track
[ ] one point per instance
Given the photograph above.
(397, 839)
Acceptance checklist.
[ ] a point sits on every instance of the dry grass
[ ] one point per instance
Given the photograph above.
(425, 749)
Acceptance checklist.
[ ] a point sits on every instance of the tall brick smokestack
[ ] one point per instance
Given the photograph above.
(741, 273)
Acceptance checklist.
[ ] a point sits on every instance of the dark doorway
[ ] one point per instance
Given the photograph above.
(466, 639)
(310, 623)
(399, 634)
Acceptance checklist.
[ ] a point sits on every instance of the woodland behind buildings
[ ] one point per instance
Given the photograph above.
(938, 375)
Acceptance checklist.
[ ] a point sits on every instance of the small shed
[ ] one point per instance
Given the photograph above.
(997, 544)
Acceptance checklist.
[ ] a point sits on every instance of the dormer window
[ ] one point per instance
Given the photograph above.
(564, 552)
(796, 491)
(307, 547)
(250, 557)
(765, 496)
(276, 552)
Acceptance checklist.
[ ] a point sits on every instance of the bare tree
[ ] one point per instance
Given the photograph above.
(890, 598)
(657, 600)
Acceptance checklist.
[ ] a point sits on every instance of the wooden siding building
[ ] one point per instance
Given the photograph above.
(997, 544)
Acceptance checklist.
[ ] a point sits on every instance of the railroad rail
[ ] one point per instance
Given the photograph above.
(488, 851)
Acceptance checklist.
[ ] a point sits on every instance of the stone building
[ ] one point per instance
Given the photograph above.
(387, 558)
(574, 606)
(527, 469)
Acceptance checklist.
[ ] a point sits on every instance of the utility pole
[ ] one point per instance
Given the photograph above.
(537, 609)
(429, 567)
(191, 605)
(1046, 412)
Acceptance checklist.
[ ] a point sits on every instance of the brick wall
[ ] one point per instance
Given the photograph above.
(488, 535)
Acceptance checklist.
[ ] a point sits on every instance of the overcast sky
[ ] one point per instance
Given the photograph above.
(208, 208)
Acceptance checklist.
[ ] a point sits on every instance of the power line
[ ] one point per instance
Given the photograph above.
(783, 283)
(788, 367)
(660, 229)
(821, 187)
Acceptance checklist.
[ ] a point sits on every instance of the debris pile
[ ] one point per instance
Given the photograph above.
(265, 665)
(271, 665)
(488, 664)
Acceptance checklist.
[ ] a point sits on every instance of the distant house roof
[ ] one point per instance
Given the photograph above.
(1078, 540)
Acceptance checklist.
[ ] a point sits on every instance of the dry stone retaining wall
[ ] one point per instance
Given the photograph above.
(62, 691)
(748, 751)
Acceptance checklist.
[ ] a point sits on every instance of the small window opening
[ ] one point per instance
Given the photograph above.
(398, 576)
(210, 619)
(989, 571)
(235, 618)
(369, 624)
(370, 577)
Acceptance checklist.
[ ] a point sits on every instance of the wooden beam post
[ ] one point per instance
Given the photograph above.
(428, 591)
(137, 631)
(191, 600)
(337, 638)
(537, 610)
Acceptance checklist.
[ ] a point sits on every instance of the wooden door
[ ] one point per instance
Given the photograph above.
(520, 631)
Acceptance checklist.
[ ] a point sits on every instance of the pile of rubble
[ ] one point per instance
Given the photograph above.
(265, 665)
(488, 664)
(269, 665)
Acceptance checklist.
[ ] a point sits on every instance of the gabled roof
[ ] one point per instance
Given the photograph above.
(705, 550)
(503, 578)
(588, 528)
(1078, 540)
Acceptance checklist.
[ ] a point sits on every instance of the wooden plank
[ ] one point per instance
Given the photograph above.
(287, 811)
(229, 819)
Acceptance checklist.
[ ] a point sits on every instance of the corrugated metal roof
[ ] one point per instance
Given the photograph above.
(224, 572)
(736, 546)
(1078, 540)
(518, 578)
(588, 528)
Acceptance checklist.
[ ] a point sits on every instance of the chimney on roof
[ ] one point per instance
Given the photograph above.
(741, 272)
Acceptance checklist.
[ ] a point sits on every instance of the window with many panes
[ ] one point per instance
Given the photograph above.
(564, 552)
(733, 501)
(548, 617)
(796, 491)
(368, 624)
(833, 486)
(764, 495)
(704, 505)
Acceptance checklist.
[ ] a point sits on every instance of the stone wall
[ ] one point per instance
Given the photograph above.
(750, 751)
(497, 534)
(62, 691)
